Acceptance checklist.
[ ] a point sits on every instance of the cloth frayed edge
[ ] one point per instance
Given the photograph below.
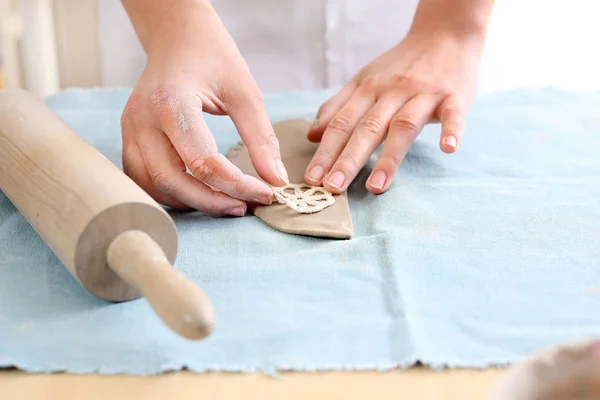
(273, 371)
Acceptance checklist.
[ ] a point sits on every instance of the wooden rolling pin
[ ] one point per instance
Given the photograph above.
(111, 235)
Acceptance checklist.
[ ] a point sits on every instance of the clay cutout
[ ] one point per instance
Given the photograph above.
(333, 221)
(303, 198)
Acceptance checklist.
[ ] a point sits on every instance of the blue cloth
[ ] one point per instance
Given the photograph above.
(470, 260)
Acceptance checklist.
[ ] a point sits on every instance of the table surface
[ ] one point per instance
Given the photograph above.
(415, 384)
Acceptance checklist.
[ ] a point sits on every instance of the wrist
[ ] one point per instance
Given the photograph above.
(471, 42)
(162, 26)
(462, 21)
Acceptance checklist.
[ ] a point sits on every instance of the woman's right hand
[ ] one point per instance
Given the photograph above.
(194, 66)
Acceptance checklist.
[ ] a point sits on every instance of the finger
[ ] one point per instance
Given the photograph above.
(334, 139)
(452, 116)
(367, 136)
(180, 118)
(135, 168)
(403, 130)
(168, 174)
(329, 109)
(252, 122)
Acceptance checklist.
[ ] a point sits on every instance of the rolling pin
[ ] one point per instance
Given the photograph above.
(115, 240)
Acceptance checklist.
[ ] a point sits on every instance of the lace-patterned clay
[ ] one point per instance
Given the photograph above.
(298, 209)
(303, 198)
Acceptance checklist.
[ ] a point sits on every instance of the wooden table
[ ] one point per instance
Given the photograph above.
(413, 384)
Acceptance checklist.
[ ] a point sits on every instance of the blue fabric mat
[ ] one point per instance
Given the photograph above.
(470, 260)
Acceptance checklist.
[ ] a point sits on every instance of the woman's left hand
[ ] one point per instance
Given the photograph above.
(425, 78)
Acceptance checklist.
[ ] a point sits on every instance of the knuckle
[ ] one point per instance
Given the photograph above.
(269, 141)
(342, 123)
(391, 158)
(453, 113)
(161, 181)
(203, 167)
(324, 157)
(405, 122)
(371, 125)
(368, 84)
(349, 160)
(400, 81)
(164, 100)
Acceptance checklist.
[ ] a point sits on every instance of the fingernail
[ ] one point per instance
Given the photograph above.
(450, 141)
(315, 174)
(337, 179)
(264, 199)
(237, 212)
(378, 179)
(281, 172)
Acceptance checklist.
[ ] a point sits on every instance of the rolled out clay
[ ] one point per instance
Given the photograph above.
(296, 152)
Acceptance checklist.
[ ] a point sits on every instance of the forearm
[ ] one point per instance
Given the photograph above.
(158, 22)
(465, 19)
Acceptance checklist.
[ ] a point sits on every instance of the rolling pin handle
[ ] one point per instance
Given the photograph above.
(183, 307)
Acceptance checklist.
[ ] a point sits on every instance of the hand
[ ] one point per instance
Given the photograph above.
(194, 66)
(421, 80)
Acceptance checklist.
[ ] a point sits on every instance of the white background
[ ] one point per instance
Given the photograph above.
(310, 44)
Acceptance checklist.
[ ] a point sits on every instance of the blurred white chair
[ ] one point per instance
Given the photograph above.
(29, 46)
(49, 45)
(10, 31)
